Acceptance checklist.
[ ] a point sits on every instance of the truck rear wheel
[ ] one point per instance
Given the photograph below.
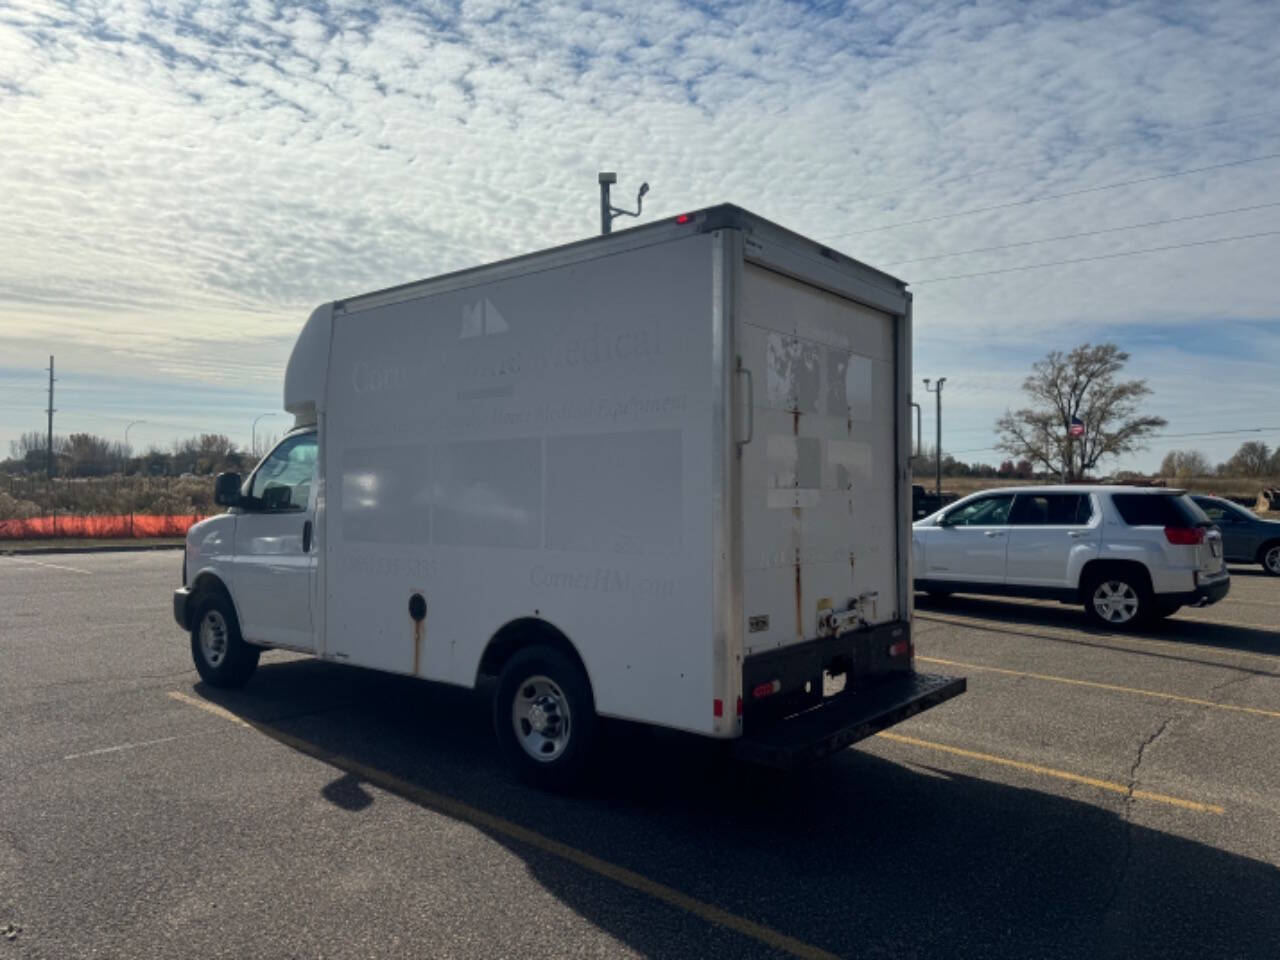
(221, 656)
(544, 717)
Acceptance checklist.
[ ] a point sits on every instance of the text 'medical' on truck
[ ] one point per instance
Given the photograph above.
(661, 475)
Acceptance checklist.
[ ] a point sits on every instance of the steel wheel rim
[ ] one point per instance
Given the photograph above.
(541, 718)
(213, 638)
(1272, 560)
(1115, 601)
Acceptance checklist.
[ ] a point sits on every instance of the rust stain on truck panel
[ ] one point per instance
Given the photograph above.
(798, 517)
(799, 600)
(418, 618)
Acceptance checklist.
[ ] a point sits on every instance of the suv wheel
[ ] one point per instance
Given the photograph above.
(1271, 559)
(1117, 601)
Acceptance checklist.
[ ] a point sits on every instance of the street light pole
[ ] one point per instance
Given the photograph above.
(253, 449)
(132, 424)
(937, 453)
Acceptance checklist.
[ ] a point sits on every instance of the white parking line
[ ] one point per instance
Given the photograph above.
(123, 746)
(42, 563)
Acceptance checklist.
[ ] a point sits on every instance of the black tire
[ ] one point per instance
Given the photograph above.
(1269, 557)
(542, 686)
(1127, 596)
(221, 656)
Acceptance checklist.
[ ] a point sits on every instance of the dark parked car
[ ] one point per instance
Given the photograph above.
(1246, 537)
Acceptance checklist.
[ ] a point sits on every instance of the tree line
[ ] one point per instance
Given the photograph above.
(88, 455)
(1253, 459)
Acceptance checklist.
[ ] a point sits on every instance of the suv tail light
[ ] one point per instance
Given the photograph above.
(1184, 536)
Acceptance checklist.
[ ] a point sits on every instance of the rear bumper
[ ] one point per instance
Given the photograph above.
(181, 605)
(1203, 595)
(845, 719)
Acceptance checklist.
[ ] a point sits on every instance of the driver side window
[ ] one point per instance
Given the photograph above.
(985, 512)
(282, 482)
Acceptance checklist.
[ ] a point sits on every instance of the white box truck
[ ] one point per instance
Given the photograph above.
(661, 475)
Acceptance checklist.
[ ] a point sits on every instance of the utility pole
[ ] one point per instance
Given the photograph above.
(48, 463)
(937, 453)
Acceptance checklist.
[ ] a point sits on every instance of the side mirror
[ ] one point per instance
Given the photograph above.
(277, 498)
(226, 490)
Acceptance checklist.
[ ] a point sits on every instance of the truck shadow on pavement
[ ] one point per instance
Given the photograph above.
(1205, 633)
(859, 856)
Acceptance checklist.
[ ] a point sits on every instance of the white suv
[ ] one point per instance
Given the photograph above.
(1128, 554)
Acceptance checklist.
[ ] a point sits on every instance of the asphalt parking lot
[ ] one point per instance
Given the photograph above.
(1092, 795)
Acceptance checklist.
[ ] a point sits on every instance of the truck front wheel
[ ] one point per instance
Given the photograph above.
(221, 656)
(544, 717)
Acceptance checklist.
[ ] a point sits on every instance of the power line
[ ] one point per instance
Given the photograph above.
(1057, 196)
(1103, 256)
(1087, 233)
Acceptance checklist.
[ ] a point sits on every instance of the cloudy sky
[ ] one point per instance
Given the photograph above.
(181, 182)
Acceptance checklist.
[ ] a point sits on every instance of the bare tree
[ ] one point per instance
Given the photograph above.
(31, 448)
(1080, 385)
(1253, 459)
(1185, 463)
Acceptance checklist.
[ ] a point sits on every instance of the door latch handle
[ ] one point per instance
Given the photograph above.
(995, 533)
(306, 537)
(1074, 534)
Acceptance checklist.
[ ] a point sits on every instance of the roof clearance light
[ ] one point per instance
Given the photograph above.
(685, 218)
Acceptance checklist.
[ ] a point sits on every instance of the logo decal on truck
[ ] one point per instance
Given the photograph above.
(481, 319)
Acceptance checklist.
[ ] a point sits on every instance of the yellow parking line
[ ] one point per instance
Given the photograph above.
(487, 821)
(991, 623)
(1108, 785)
(1103, 686)
(208, 707)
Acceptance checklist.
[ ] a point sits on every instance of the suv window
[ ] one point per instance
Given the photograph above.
(1219, 511)
(1158, 510)
(1052, 509)
(282, 481)
(984, 512)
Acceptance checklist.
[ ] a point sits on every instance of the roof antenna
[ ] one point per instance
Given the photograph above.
(608, 211)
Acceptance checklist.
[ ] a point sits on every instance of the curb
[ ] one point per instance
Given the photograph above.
(105, 548)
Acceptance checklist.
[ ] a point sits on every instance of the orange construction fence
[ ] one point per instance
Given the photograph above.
(71, 525)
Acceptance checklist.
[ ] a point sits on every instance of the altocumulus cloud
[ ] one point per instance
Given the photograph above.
(183, 181)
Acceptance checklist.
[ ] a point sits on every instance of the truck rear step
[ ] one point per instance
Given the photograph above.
(845, 719)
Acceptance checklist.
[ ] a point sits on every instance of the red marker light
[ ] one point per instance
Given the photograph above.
(717, 708)
(766, 689)
(684, 218)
